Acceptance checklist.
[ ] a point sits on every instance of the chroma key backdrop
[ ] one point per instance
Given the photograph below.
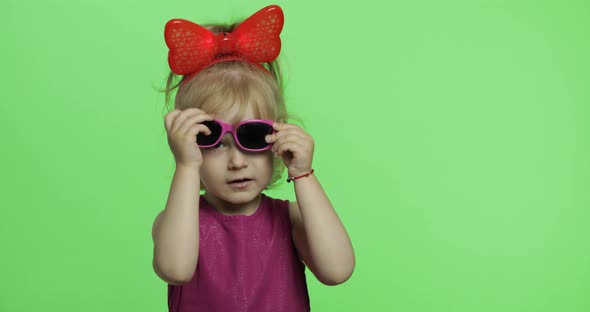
(452, 138)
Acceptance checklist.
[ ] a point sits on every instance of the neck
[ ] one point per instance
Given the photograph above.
(231, 209)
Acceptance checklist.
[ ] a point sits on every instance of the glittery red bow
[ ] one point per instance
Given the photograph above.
(194, 47)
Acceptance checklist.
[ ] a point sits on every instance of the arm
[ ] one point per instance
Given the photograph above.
(319, 235)
(176, 229)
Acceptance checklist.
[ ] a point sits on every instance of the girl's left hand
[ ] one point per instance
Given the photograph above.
(294, 145)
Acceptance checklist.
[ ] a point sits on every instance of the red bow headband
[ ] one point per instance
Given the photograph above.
(194, 47)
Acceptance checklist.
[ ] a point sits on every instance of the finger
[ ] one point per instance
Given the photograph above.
(284, 145)
(281, 126)
(179, 120)
(278, 125)
(169, 118)
(195, 119)
(184, 114)
(308, 144)
(298, 147)
(292, 132)
(270, 139)
(292, 147)
(278, 143)
(198, 128)
(287, 135)
(294, 129)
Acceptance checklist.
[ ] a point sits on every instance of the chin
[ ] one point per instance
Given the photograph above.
(237, 197)
(241, 197)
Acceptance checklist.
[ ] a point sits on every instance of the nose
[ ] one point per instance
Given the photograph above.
(237, 158)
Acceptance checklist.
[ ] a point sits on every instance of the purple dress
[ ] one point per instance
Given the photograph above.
(246, 263)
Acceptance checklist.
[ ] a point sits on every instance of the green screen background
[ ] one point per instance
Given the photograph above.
(451, 136)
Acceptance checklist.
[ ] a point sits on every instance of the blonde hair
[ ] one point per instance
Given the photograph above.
(229, 84)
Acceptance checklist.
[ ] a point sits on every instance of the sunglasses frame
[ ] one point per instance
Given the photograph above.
(225, 128)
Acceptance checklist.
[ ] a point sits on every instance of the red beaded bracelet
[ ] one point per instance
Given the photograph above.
(291, 178)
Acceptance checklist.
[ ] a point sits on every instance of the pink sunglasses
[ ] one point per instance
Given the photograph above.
(248, 134)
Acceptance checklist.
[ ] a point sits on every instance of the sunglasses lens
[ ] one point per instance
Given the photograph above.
(207, 140)
(251, 135)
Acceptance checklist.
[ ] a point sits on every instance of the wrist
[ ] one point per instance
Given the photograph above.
(294, 177)
(194, 168)
(297, 172)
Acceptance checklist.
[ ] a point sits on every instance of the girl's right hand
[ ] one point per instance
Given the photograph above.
(182, 127)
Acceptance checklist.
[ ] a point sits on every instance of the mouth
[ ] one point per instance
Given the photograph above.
(240, 184)
(241, 180)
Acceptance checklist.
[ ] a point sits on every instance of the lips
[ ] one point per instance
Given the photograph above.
(240, 180)
(240, 184)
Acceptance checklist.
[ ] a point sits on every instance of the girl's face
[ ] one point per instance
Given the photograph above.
(234, 178)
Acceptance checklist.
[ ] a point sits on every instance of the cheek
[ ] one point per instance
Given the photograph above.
(210, 168)
(269, 159)
(203, 174)
(263, 161)
(270, 162)
(212, 158)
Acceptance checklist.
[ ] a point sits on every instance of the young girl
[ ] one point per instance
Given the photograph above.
(234, 248)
